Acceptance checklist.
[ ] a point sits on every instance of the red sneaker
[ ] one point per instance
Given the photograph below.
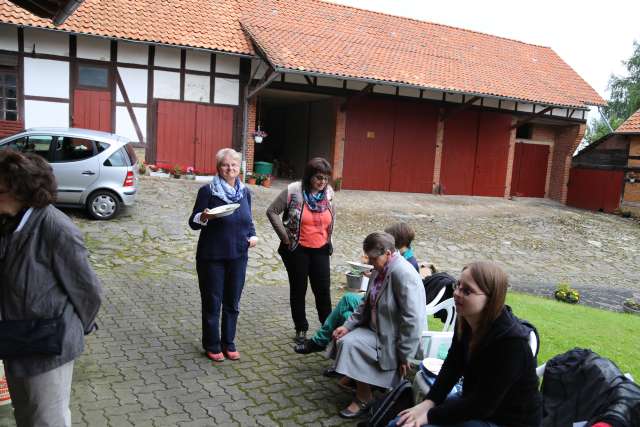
(232, 355)
(216, 357)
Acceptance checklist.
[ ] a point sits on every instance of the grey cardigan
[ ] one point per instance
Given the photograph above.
(45, 272)
(401, 314)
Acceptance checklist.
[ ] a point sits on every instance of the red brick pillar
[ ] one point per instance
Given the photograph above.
(338, 141)
(251, 127)
(567, 140)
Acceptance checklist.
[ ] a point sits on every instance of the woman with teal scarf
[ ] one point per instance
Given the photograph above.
(404, 235)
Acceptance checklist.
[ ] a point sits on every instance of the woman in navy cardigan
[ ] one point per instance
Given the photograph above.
(221, 258)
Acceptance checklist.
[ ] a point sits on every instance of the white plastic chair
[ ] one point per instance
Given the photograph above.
(447, 305)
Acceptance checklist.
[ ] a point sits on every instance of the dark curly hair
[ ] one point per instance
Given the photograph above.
(28, 178)
(315, 166)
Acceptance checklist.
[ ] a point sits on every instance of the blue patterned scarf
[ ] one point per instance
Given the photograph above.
(225, 192)
(316, 202)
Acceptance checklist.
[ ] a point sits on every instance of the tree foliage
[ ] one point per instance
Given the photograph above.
(624, 99)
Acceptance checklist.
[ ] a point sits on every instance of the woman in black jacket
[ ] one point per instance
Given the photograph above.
(491, 351)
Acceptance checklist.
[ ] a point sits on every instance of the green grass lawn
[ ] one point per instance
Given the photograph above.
(563, 326)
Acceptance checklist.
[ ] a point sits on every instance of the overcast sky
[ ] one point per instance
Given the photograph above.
(592, 38)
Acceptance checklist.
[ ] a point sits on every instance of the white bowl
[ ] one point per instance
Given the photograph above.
(223, 210)
(359, 267)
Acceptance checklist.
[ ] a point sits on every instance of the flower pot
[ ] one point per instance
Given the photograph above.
(190, 177)
(251, 181)
(266, 182)
(257, 139)
(176, 176)
(566, 298)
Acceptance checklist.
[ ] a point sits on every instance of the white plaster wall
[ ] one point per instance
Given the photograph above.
(355, 85)
(166, 84)
(97, 48)
(44, 41)
(227, 64)
(8, 37)
(124, 125)
(42, 113)
(133, 53)
(227, 91)
(562, 112)
(527, 108)
(577, 114)
(409, 91)
(196, 88)
(295, 78)
(197, 60)
(326, 81)
(454, 97)
(167, 57)
(46, 77)
(506, 105)
(135, 83)
(490, 102)
(389, 90)
(432, 94)
(261, 71)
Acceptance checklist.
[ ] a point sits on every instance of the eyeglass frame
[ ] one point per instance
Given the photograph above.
(465, 290)
(322, 177)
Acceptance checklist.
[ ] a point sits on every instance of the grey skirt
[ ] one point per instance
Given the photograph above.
(357, 358)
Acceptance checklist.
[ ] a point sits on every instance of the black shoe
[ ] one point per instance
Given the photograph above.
(300, 337)
(363, 407)
(309, 346)
(331, 373)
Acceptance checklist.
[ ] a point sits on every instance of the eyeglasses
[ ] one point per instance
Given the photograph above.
(465, 290)
(321, 178)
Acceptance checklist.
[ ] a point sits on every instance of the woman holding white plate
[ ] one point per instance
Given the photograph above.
(222, 213)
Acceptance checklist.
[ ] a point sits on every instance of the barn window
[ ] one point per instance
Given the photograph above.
(8, 96)
(524, 131)
(90, 76)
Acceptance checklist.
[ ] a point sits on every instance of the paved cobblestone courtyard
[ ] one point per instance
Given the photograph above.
(144, 366)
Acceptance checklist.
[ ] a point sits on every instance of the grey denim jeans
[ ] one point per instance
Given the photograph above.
(42, 400)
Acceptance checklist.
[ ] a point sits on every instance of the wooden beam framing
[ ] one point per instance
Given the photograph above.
(266, 82)
(127, 102)
(531, 117)
(460, 108)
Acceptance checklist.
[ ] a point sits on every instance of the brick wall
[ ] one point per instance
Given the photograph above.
(251, 127)
(8, 127)
(338, 141)
(567, 140)
(543, 133)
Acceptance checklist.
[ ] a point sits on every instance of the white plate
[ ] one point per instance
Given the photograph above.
(223, 210)
(358, 266)
(433, 364)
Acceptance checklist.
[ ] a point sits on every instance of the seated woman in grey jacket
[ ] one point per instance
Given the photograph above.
(375, 344)
(46, 276)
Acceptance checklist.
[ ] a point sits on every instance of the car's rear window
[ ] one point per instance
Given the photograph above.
(131, 153)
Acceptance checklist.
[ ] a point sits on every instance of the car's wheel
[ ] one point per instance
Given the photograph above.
(103, 205)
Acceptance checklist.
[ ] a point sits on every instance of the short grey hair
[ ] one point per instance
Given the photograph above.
(376, 244)
(225, 152)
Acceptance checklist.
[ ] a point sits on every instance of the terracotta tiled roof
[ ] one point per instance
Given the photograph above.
(631, 125)
(331, 39)
(209, 24)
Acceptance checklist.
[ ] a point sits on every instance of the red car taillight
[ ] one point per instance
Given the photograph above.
(128, 181)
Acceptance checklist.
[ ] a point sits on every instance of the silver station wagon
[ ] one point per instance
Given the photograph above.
(95, 170)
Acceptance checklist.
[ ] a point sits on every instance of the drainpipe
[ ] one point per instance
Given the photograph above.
(245, 116)
(66, 12)
(606, 120)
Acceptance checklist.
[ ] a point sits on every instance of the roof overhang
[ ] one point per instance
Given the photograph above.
(56, 10)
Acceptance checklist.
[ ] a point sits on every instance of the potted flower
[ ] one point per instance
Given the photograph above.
(632, 176)
(259, 135)
(631, 305)
(266, 181)
(176, 171)
(337, 184)
(251, 179)
(142, 168)
(190, 173)
(567, 294)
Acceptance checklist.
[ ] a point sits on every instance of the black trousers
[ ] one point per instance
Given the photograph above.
(312, 264)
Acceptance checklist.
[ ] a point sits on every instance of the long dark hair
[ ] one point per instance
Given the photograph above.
(314, 166)
(493, 282)
(28, 178)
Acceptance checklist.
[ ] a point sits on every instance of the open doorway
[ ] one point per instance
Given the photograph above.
(299, 125)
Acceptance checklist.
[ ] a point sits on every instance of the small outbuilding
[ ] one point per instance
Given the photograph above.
(605, 176)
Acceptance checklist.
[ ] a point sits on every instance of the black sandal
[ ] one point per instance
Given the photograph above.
(363, 407)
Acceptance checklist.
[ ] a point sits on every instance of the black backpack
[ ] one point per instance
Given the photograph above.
(580, 385)
(387, 407)
(432, 286)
